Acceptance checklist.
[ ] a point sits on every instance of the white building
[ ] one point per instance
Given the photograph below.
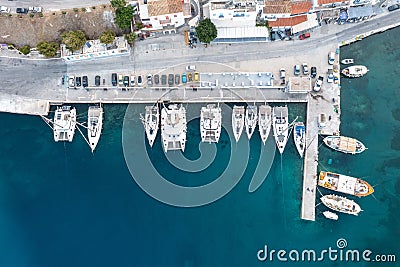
(236, 21)
(163, 15)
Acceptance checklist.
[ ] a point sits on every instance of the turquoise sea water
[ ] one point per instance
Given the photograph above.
(62, 206)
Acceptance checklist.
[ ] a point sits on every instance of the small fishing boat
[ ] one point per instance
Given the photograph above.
(95, 124)
(355, 71)
(264, 121)
(250, 120)
(237, 121)
(345, 184)
(347, 61)
(341, 204)
(344, 144)
(330, 215)
(280, 125)
(299, 136)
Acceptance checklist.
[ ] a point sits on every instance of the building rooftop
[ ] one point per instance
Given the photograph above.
(163, 7)
(286, 7)
(286, 22)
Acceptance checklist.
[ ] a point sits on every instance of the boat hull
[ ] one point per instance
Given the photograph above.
(299, 137)
(210, 123)
(344, 144)
(281, 127)
(264, 122)
(355, 71)
(95, 125)
(151, 123)
(345, 184)
(173, 127)
(237, 121)
(341, 204)
(250, 120)
(64, 124)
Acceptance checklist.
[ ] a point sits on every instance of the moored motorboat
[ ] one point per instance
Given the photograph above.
(95, 125)
(280, 125)
(151, 123)
(347, 61)
(264, 122)
(237, 121)
(64, 123)
(173, 127)
(344, 144)
(250, 120)
(341, 204)
(355, 71)
(330, 215)
(210, 123)
(299, 136)
(345, 184)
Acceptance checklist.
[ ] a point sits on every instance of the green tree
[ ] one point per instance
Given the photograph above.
(47, 49)
(206, 31)
(107, 37)
(118, 3)
(74, 40)
(123, 17)
(25, 49)
(130, 37)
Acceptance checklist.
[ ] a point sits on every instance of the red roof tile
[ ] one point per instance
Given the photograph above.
(283, 22)
(164, 7)
(324, 2)
(286, 7)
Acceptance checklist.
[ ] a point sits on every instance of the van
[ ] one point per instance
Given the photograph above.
(331, 58)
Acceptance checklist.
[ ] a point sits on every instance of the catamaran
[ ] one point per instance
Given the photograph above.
(345, 184)
(210, 123)
(355, 71)
(344, 144)
(264, 121)
(64, 123)
(173, 127)
(281, 126)
(151, 123)
(95, 124)
(250, 120)
(341, 204)
(237, 121)
(299, 136)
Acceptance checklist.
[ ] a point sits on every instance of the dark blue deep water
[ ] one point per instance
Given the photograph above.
(62, 206)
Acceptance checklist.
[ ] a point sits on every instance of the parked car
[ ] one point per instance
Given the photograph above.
(331, 58)
(282, 73)
(163, 79)
(170, 79)
(114, 79)
(85, 81)
(393, 7)
(139, 80)
(184, 79)
(191, 68)
(156, 79)
(177, 78)
(296, 70)
(330, 75)
(318, 84)
(305, 68)
(21, 10)
(4, 9)
(313, 72)
(190, 76)
(126, 81)
(120, 80)
(71, 81)
(97, 80)
(78, 81)
(35, 9)
(149, 79)
(196, 77)
(304, 36)
(132, 80)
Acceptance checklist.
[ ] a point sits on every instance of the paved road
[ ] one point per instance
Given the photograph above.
(40, 78)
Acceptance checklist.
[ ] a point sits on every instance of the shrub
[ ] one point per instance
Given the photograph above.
(76, 10)
(83, 9)
(93, 7)
(25, 49)
(41, 15)
(64, 12)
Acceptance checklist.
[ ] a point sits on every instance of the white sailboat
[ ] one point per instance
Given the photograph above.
(264, 122)
(95, 125)
(210, 123)
(151, 123)
(281, 126)
(237, 121)
(250, 120)
(173, 127)
(299, 136)
(64, 123)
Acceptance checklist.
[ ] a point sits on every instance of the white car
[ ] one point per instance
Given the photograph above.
(318, 84)
(4, 9)
(191, 68)
(71, 81)
(282, 73)
(331, 58)
(330, 76)
(132, 80)
(305, 68)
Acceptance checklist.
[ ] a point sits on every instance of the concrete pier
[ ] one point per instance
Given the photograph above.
(22, 105)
